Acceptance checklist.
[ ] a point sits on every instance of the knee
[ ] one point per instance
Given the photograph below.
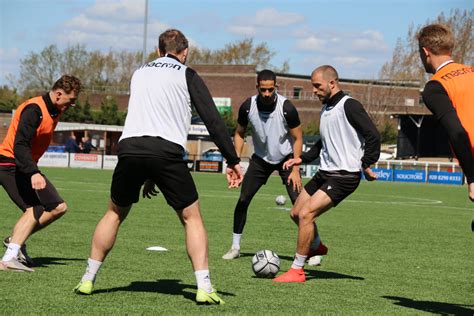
(294, 215)
(61, 209)
(305, 216)
(244, 200)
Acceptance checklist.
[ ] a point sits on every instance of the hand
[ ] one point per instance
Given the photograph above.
(38, 182)
(149, 189)
(369, 174)
(471, 191)
(295, 178)
(234, 176)
(292, 162)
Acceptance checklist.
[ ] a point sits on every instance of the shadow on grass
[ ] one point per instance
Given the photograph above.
(41, 262)
(319, 274)
(170, 287)
(433, 307)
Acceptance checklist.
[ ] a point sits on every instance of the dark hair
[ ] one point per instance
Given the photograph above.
(266, 74)
(172, 41)
(437, 38)
(68, 84)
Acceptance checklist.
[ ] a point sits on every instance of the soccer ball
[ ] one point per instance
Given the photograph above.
(280, 200)
(265, 264)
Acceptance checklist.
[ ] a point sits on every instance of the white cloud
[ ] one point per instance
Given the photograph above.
(348, 66)
(311, 43)
(338, 41)
(112, 24)
(9, 54)
(270, 17)
(354, 54)
(350, 60)
(123, 10)
(264, 19)
(246, 30)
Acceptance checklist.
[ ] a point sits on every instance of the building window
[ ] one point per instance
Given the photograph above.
(297, 92)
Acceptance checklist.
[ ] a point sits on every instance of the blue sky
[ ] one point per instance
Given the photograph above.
(357, 37)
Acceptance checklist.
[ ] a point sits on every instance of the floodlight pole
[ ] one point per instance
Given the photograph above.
(145, 24)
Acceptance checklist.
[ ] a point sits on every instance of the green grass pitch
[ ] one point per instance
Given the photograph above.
(394, 248)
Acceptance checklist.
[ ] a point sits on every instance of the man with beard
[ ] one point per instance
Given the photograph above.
(277, 137)
(349, 144)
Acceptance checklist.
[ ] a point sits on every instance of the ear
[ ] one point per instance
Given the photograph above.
(426, 51)
(185, 53)
(159, 53)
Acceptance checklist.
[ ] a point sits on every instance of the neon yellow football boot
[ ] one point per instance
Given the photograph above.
(202, 297)
(84, 288)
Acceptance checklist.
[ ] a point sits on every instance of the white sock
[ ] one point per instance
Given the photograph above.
(93, 267)
(11, 252)
(203, 280)
(236, 241)
(315, 243)
(298, 262)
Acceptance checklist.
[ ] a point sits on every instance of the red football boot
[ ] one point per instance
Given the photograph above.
(320, 251)
(292, 275)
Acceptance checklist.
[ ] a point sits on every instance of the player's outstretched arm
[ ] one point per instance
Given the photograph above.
(369, 174)
(292, 162)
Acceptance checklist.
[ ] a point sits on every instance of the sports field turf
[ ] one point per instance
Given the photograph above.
(393, 249)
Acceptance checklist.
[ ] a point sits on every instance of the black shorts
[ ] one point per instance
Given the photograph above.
(171, 175)
(18, 187)
(337, 185)
(260, 169)
(258, 173)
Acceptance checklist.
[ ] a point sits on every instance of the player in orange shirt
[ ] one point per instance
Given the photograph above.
(28, 137)
(450, 94)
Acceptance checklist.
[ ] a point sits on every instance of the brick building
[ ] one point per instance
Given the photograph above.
(237, 82)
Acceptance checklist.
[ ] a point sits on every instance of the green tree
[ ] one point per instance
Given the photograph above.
(38, 71)
(108, 114)
(73, 114)
(230, 122)
(87, 113)
(311, 129)
(9, 98)
(388, 133)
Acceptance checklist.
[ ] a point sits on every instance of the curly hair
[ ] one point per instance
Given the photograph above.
(68, 84)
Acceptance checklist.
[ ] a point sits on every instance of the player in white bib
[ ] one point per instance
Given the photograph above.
(151, 152)
(349, 144)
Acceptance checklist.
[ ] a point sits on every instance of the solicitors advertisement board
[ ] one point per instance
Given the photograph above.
(409, 175)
